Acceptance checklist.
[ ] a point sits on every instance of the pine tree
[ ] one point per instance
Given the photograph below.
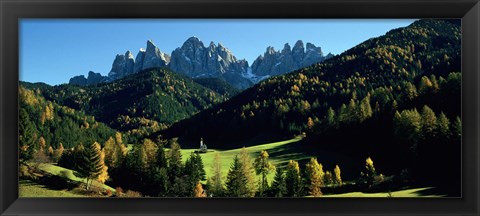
(343, 114)
(58, 152)
(338, 177)
(194, 169)
(352, 111)
(410, 91)
(236, 180)
(365, 110)
(103, 176)
(150, 150)
(429, 122)
(50, 151)
(457, 128)
(443, 126)
(118, 138)
(310, 123)
(162, 161)
(109, 148)
(315, 176)
(293, 179)
(215, 186)
(249, 171)
(279, 187)
(161, 181)
(175, 160)
(27, 136)
(115, 151)
(370, 172)
(42, 144)
(407, 128)
(330, 117)
(92, 164)
(263, 167)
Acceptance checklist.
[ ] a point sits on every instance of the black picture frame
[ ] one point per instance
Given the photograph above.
(12, 10)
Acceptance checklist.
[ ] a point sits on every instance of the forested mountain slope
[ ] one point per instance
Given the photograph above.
(361, 103)
(141, 103)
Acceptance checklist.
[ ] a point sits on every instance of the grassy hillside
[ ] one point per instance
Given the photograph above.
(280, 153)
(70, 174)
(54, 181)
(28, 188)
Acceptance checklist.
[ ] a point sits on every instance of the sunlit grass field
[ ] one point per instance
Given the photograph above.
(29, 188)
(414, 192)
(226, 156)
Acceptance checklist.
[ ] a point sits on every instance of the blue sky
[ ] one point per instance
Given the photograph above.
(54, 50)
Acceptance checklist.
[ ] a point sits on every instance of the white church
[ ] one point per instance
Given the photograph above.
(203, 146)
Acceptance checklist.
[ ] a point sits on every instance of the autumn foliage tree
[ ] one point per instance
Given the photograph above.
(293, 179)
(215, 182)
(199, 191)
(263, 167)
(338, 177)
(369, 173)
(248, 171)
(315, 177)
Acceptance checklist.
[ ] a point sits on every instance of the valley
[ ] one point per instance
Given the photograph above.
(377, 120)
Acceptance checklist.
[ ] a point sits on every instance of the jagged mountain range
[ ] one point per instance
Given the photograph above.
(195, 60)
(279, 62)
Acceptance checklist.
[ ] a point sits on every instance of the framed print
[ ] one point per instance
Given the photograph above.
(223, 107)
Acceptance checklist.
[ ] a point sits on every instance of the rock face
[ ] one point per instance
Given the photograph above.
(78, 80)
(125, 64)
(122, 66)
(93, 78)
(154, 57)
(279, 62)
(195, 60)
(139, 61)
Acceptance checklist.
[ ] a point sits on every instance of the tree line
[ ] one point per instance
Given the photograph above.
(154, 171)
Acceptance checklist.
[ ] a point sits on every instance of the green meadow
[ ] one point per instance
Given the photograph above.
(29, 188)
(280, 153)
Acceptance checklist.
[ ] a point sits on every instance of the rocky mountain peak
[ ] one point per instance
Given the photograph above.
(93, 78)
(286, 48)
(288, 59)
(192, 42)
(270, 51)
(129, 55)
(299, 45)
(195, 60)
(122, 66)
(139, 61)
(154, 57)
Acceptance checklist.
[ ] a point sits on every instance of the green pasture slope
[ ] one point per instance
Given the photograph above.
(31, 189)
(280, 153)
